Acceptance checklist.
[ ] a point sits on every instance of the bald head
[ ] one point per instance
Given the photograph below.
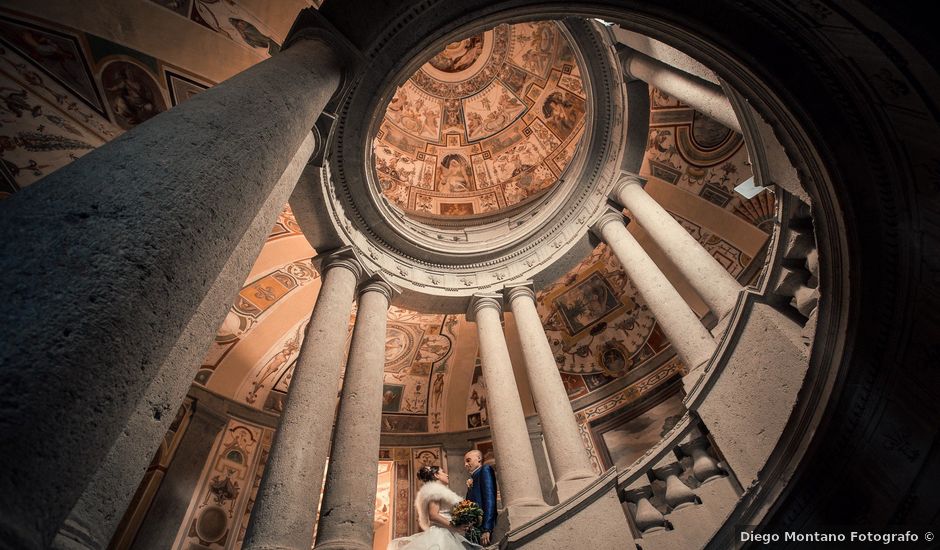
(472, 460)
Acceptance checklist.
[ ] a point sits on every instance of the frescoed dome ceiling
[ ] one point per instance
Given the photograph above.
(489, 123)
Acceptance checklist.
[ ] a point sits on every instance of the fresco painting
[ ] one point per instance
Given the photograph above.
(57, 54)
(476, 400)
(460, 138)
(233, 21)
(587, 302)
(133, 94)
(628, 440)
(391, 397)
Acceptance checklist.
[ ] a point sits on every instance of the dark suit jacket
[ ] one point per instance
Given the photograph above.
(483, 492)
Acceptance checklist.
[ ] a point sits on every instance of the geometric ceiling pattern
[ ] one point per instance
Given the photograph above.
(489, 123)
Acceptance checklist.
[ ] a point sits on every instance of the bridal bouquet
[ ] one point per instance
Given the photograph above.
(468, 513)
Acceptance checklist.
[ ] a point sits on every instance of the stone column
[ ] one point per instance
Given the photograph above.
(718, 288)
(518, 477)
(95, 516)
(104, 268)
(569, 459)
(701, 94)
(285, 508)
(348, 509)
(682, 327)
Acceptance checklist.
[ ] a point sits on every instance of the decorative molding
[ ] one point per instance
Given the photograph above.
(481, 301)
(626, 178)
(380, 284)
(520, 289)
(606, 216)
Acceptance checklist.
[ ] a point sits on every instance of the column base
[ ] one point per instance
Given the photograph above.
(73, 536)
(567, 488)
(523, 512)
(692, 378)
(721, 326)
(592, 519)
(342, 545)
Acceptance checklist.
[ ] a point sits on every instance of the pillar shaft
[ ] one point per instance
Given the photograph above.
(518, 476)
(565, 449)
(348, 509)
(702, 95)
(718, 288)
(682, 327)
(95, 516)
(133, 237)
(285, 507)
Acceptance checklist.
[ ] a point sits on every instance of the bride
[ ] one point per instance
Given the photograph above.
(433, 504)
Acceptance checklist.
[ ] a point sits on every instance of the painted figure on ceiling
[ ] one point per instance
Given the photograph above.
(132, 93)
(253, 37)
(536, 59)
(560, 113)
(455, 177)
(459, 55)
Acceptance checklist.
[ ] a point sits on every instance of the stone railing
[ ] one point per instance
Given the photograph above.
(673, 493)
(794, 285)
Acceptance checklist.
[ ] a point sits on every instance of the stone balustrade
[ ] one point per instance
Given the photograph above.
(795, 286)
(672, 493)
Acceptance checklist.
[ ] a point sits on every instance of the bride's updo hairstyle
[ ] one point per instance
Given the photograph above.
(428, 473)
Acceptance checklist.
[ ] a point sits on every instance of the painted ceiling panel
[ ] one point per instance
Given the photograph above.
(490, 122)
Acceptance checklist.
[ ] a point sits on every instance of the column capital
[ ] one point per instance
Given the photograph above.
(484, 300)
(626, 178)
(311, 24)
(515, 290)
(624, 53)
(344, 257)
(609, 214)
(378, 283)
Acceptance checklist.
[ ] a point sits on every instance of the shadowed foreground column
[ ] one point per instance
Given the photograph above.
(515, 462)
(95, 516)
(348, 511)
(285, 508)
(682, 327)
(105, 265)
(718, 288)
(570, 463)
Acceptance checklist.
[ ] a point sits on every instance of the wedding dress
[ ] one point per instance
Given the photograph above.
(434, 537)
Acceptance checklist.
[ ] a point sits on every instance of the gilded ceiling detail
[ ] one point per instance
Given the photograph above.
(489, 122)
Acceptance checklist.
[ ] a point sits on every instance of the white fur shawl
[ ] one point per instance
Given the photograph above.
(433, 491)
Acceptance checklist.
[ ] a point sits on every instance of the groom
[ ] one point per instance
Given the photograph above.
(481, 489)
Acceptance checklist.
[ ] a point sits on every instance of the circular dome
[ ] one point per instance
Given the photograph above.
(439, 261)
(489, 123)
